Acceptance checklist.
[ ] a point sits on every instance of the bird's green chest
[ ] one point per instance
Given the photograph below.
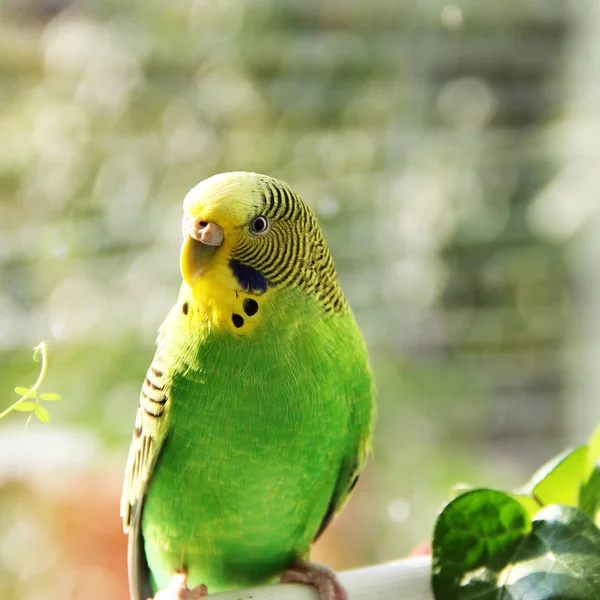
(257, 432)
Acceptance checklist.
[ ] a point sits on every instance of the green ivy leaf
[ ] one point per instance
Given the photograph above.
(474, 538)
(42, 414)
(594, 452)
(589, 496)
(560, 558)
(531, 505)
(49, 396)
(559, 480)
(25, 406)
(486, 547)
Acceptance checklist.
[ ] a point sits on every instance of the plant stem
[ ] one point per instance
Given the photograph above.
(33, 389)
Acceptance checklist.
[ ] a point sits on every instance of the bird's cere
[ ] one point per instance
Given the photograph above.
(205, 232)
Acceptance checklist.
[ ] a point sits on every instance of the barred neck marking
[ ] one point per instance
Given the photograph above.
(294, 251)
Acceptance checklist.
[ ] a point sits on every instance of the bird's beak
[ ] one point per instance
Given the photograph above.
(201, 239)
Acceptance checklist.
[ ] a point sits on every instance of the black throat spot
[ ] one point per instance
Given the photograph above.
(250, 279)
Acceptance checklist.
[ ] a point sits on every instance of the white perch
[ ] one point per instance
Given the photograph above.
(407, 579)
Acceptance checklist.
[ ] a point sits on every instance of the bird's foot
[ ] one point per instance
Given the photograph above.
(178, 589)
(320, 576)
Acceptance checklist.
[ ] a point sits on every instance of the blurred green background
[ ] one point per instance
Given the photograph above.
(452, 154)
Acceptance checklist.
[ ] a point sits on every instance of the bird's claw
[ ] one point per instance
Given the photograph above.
(178, 589)
(319, 576)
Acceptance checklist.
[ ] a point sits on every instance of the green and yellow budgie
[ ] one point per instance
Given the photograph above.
(256, 413)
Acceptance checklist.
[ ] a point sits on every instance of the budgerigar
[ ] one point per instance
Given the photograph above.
(256, 413)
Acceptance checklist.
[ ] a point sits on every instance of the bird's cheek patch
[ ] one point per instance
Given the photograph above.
(249, 279)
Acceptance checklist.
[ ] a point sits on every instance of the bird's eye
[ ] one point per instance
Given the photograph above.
(260, 225)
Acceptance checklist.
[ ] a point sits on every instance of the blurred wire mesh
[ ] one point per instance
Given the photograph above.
(450, 152)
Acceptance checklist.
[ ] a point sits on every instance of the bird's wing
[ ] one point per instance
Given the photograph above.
(148, 436)
(362, 413)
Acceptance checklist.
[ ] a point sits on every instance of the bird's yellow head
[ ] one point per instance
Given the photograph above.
(246, 236)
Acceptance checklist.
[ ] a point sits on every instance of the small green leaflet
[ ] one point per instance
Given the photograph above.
(42, 414)
(25, 406)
